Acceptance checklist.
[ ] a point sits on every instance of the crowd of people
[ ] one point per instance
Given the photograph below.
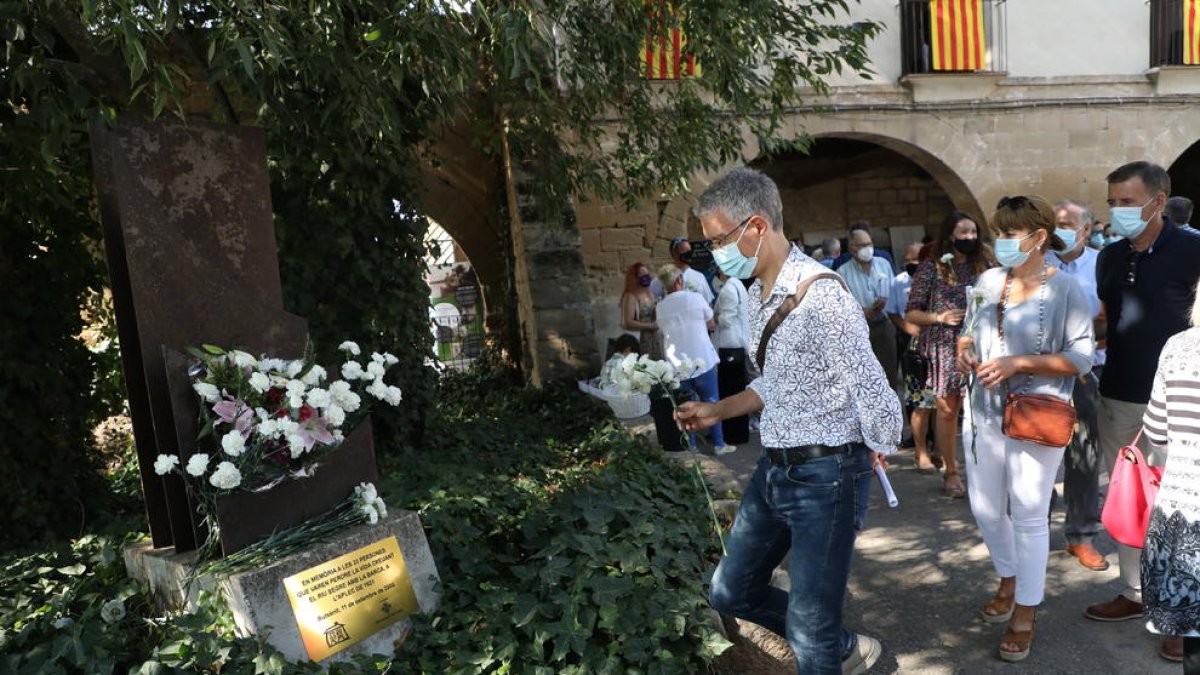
(1038, 339)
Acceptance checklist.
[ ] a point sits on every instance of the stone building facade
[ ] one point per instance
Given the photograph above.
(1067, 97)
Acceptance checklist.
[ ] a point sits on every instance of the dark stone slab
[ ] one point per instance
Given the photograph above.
(190, 239)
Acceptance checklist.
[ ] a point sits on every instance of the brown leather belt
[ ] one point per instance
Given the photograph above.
(802, 453)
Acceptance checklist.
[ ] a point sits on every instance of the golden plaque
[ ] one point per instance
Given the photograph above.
(349, 598)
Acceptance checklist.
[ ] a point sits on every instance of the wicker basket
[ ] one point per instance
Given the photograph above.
(624, 406)
(629, 405)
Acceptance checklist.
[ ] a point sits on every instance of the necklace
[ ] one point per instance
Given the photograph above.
(1041, 297)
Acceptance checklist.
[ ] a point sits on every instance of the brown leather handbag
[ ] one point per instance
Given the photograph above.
(1035, 418)
(1038, 418)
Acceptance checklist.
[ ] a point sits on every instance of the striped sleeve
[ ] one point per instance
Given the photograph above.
(1155, 419)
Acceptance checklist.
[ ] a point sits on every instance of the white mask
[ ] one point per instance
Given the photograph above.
(866, 253)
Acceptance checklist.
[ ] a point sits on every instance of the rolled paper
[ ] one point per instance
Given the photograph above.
(887, 486)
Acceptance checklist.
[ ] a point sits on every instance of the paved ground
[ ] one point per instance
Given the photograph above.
(921, 573)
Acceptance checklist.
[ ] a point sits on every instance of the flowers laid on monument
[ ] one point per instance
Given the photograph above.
(267, 419)
(112, 611)
(364, 505)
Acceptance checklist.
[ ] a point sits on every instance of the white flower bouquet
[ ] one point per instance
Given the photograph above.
(266, 420)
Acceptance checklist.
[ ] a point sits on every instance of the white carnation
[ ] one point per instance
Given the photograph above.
(269, 428)
(295, 392)
(112, 611)
(380, 507)
(389, 359)
(947, 258)
(376, 357)
(165, 464)
(226, 477)
(314, 376)
(335, 415)
(375, 369)
(352, 370)
(260, 382)
(272, 365)
(378, 389)
(233, 443)
(286, 426)
(319, 398)
(296, 445)
(293, 368)
(338, 436)
(197, 464)
(207, 392)
(350, 347)
(366, 491)
(394, 396)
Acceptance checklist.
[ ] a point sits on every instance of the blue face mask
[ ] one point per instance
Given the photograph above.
(1068, 237)
(1009, 253)
(1127, 220)
(733, 262)
(1098, 240)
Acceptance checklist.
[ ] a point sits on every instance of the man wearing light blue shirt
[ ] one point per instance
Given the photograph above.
(1082, 460)
(870, 282)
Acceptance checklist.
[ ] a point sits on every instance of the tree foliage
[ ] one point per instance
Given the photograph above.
(353, 95)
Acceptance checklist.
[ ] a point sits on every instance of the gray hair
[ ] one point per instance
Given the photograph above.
(668, 275)
(830, 245)
(740, 194)
(1085, 217)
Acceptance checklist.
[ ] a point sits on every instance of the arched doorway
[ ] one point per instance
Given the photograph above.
(901, 190)
(1185, 176)
(456, 316)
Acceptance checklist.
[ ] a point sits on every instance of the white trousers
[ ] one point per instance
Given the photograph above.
(1009, 483)
(1119, 423)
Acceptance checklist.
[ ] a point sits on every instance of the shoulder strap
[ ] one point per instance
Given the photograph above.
(786, 308)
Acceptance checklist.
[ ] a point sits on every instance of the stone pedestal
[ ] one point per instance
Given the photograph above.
(258, 598)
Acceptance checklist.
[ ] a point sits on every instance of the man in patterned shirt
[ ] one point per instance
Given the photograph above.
(828, 415)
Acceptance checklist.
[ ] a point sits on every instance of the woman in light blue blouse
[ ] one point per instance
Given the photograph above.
(1044, 345)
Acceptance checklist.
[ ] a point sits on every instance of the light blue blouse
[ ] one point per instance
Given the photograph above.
(1066, 317)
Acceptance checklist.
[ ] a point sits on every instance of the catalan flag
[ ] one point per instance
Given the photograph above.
(957, 28)
(665, 56)
(1191, 32)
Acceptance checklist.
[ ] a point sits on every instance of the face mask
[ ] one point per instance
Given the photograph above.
(733, 262)
(1112, 240)
(1127, 220)
(1009, 253)
(1098, 240)
(911, 268)
(686, 256)
(966, 246)
(644, 279)
(866, 253)
(1068, 237)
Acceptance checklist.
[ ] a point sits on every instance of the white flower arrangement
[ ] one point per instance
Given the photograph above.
(265, 420)
(642, 373)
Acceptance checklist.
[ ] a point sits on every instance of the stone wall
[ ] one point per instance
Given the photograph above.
(1056, 138)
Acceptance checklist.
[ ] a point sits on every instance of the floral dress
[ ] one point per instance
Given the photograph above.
(931, 293)
(1171, 557)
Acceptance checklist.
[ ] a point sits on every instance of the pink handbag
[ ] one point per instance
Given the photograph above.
(1131, 492)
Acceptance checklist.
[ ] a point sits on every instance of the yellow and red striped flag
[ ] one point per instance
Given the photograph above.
(1191, 32)
(664, 57)
(958, 42)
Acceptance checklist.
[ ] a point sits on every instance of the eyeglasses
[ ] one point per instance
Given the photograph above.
(1014, 203)
(1131, 266)
(721, 240)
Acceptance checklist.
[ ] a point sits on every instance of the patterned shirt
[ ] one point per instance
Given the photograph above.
(821, 382)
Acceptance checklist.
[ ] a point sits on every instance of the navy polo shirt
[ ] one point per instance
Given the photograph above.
(1142, 316)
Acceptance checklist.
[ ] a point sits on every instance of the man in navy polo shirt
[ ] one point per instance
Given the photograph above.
(1146, 282)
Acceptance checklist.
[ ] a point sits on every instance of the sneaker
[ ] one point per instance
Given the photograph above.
(725, 450)
(1118, 609)
(866, 653)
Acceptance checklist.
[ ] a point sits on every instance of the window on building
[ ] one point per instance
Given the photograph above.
(665, 55)
(947, 36)
(1174, 32)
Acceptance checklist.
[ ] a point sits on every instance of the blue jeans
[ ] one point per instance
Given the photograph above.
(820, 505)
(704, 386)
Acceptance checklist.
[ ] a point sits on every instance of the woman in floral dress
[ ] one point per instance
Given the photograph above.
(1171, 557)
(938, 303)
